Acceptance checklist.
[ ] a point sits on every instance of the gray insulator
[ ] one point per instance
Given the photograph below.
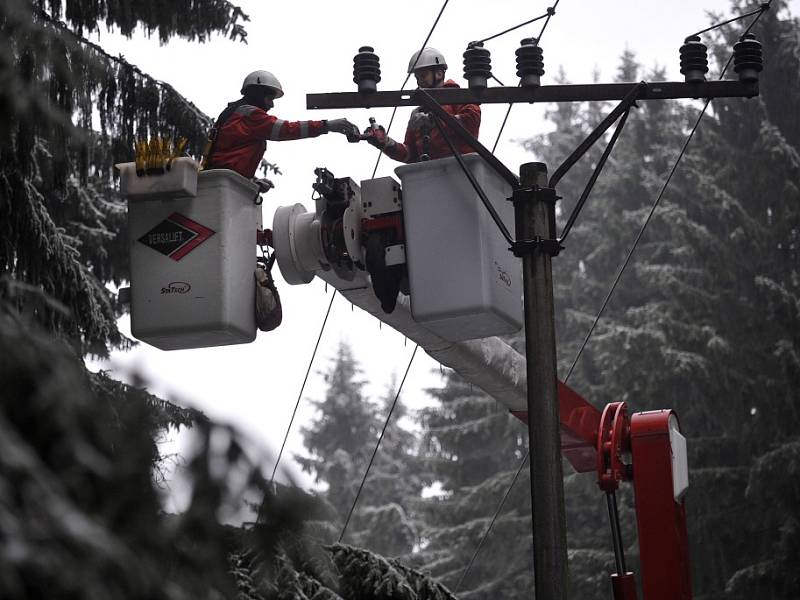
(366, 69)
(694, 59)
(477, 65)
(747, 58)
(530, 66)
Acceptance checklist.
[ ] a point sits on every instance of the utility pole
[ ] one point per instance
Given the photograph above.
(534, 212)
(535, 240)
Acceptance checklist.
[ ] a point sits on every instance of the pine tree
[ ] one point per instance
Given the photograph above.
(715, 274)
(470, 449)
(705, 317)
(341, 442)
(82, 444)
(59, 214)
(80, 513)
(385, 521)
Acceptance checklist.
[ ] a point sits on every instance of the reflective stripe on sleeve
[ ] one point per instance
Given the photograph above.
(276, 129)
(303, 129)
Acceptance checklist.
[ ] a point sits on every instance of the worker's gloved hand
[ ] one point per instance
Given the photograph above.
(344, 127)
(420, 120)
(376, 136)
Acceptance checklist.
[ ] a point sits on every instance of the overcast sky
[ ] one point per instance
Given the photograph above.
(309, 46)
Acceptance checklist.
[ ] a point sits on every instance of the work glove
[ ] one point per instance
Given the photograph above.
(376, 136)
(420, 120)
(344, 127)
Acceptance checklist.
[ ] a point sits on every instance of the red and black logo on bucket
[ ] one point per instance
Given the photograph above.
(176, 236)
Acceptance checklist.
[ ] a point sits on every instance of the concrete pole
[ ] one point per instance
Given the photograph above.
(534, 214)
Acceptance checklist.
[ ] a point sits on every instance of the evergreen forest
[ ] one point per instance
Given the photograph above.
(705, 319)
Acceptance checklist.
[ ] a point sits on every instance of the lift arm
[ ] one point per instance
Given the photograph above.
(590, 440)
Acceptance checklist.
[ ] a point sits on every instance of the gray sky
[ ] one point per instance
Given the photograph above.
(309, 46)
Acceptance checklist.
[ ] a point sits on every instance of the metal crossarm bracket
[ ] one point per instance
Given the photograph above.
(629, 100)
(593, 92)
(427, 101)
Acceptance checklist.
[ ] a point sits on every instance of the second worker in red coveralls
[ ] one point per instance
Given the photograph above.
(429, 67)
(239, 138)
(238, 142)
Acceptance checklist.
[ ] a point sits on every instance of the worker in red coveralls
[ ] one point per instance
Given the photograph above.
(238, 142)
(239, 137)
(429, 67)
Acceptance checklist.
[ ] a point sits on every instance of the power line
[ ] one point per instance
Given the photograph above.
(408, 76)
(302, 387)
(510, 29)
(658, 199)
(550, 12)
(503, 126)
(491, 523)
(378, 445)
(375, 170)
(764, 6)
(414, 353)
(627, 259)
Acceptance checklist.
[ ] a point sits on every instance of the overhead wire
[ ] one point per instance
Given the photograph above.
(416, 346)
(550, 12)
(408, 76)
(333, 296)
(302, 387)
(491, 523)
(378, 445)
(760, 11)
(505, 31)
(764, 6)
(657, 201)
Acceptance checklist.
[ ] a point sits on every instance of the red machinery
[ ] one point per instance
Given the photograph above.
(648, 449)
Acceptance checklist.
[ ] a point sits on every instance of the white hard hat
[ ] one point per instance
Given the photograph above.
(263, 79)
(428, 57)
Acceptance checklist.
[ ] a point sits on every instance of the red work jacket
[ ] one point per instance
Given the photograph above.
(242, 139)
(411, 148)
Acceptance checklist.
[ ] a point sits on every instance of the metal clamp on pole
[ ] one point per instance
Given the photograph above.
(549, 245)
(526, 247)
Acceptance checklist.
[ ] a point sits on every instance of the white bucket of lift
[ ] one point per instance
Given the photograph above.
(464, 281)
(192, 262)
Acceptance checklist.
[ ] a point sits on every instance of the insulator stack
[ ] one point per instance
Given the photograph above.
(747, 58)
(530, 66)
(366, 69)
(477, 65)
(694, 59)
